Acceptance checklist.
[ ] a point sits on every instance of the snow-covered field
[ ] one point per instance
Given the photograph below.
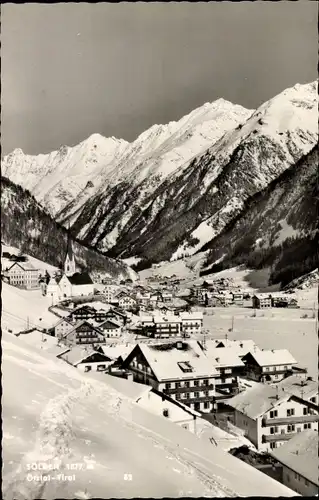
(38, 264)
(272, 329)
(99, 443)
(24, 308)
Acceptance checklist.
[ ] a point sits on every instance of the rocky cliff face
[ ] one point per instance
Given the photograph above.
(277, 228)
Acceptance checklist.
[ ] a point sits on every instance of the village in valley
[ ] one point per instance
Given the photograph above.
(220, 359)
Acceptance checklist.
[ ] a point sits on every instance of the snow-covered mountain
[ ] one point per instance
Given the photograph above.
(277, 228)
(64, 180)
(175, 188)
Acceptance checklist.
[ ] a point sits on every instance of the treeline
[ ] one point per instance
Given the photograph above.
(27, 226)
(295, 257)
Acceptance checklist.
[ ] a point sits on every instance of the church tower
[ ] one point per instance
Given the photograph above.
(69, 263)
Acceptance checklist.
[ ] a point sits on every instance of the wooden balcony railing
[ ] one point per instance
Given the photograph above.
(302, 419)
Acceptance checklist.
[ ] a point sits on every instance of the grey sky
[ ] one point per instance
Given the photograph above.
(69, 70)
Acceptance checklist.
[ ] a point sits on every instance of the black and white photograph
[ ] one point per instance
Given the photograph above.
(159, 250)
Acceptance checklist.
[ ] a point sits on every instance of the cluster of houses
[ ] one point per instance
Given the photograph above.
(183, 324)
(266, 300)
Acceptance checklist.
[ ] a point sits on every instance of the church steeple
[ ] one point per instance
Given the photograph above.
(69, 263)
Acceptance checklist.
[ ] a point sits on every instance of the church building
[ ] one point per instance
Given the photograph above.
(71, 283)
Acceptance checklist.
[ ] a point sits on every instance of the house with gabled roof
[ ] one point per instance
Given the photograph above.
(268, 365)
(178, 369)
(23, 275)
(270, 415)
(300, 460)
(110, 328)
(83, 333)
(86, 359)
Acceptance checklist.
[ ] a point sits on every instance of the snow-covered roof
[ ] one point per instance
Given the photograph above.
(107, 324)
(262, 295)
(300, 454)
(166, 319)
(241, 347)
(117, 350)
(78, 353)
(131, 389)
(273, 357)
(145, 319)
(80, 323)
(166, 361)
(300, 386)
(26, 266)
(38, 338)
(191, 315)
(257, 400)
(222, 357)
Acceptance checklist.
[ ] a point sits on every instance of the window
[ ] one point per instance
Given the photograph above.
(177, 384)
(167, 386)
(196, 383)
(274, 430)
(313, 400)
(205, 382)
(187, 384)
(290, 412)
(100, 367)
(273, 414)
(305, 411)
(178, 396)
(272, 446)
(307, 426)
(291, 428)
(196, 394)
(206, 405)
(267, 368)
(87, 369)
(165, 412)
(187, 395)
(206, 393)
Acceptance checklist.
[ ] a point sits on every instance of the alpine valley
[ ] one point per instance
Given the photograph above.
(237, 185)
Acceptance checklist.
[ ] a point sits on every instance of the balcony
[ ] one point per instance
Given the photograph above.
(204, 399)
(197, 388)
(278, 437)
(302, 419)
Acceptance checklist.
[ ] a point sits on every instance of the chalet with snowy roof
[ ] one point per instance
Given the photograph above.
(86, 359)
(89, 312)
(178, 369)
(271, 415)
(262, 301)
(110, 328)
(71, 283)
(23, 275)
(300, 460)
(158, 403)
(63, 326)
(268, 365)
(191, 322)
(83, 333)
(228, 365)
(126, 301)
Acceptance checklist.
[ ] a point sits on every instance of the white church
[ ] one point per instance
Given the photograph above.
(71, 283)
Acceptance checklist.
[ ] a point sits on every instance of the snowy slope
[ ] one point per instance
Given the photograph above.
(23, 308)
(57, 416)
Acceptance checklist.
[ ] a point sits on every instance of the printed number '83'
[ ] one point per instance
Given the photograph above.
(128, 477)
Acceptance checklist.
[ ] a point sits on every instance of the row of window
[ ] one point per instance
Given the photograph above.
(188, 395)
(99, 368)
(186, 383)
(291, 412)
(274, 368)
(290, 428)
